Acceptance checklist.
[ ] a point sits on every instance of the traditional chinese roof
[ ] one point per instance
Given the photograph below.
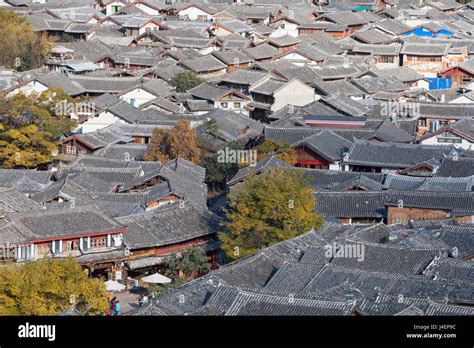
(170, 225)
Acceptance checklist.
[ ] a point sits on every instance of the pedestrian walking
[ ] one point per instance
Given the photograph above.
(117, 308)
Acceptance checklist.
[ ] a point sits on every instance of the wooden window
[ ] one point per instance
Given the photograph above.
(70, 150)
(224, 104)
(386, 59)
(98, 242)
(237, 105)
(72, 245)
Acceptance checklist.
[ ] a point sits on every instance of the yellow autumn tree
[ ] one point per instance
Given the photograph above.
(266, 209)
(179, 141)
(25, 147)
(21, 48)
(48, 287)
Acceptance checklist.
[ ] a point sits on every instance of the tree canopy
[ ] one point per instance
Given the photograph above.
(182, 267)
(179, 141)
(20, 47)
(217, 172)
(281, 151)
(25, 147)
(48, 287)
(30, 124)
(266, 209)
(187, 264)
(185, 80)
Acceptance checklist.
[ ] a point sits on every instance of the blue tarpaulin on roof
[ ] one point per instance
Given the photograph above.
(439, 83)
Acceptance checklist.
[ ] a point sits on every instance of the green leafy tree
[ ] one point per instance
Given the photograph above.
(48, 287)
(281, 151)
(21, 47)
(55, 106)
(185, 80)
(180, 141)
(218, 173)
(182, 267)
(49, 111)
(268, 208)
(186, 265)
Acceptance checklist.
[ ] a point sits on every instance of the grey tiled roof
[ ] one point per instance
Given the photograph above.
(446, 110)
(385, 258)
(25, 181)
(266, 164)
(345, 104)
(441, 309)
(373, 36)
(253, 304)
(326, 144)
(389, 132)
(333, 180)
(244, 77)
(447, 268)
(232, 57)
(360, 182)
(203, 64)
(393, 155)
(231, 126)
(105, 84)
(454, 236)
(127, 112)
(13, 201)
(377, 84)
(168, 225)
(392, 26)
(343, 87)
(118, 175)
(456, 168)
(263, 51)
(372, 204)
(329, 72)
(290, 135)
(196, 105)
(418, 49)
(378, 50)
(353, 204)
(291, 277)
(207, 91)
(265, 282)
(268, 87)
(403, 73)
(403, 182)
(54, 223)
(123, 151)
